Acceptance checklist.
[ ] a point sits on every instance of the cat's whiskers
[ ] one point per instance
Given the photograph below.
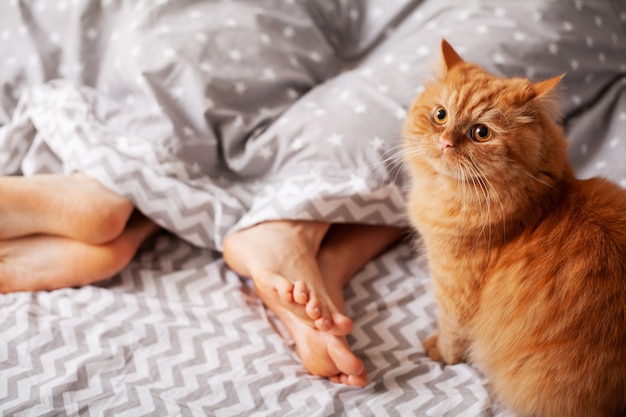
(464, 214)
(395, 158)
(483, 192)
(495, 193)
(535, 178)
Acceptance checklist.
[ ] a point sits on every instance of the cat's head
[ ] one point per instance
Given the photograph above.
(470, 124)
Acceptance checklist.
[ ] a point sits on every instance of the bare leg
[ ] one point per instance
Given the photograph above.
(45, 262)
(280, 257)
(74, 206)
(348, 247)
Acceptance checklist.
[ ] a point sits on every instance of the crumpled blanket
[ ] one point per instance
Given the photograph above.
(213, 116)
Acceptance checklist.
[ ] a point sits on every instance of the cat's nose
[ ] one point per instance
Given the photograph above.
(445, 143)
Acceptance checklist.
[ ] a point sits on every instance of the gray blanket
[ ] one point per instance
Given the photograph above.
(215, 115)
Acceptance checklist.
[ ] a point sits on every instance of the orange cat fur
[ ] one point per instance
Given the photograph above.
(528, 262)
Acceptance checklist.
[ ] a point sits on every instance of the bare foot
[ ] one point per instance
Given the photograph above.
(280, 257)
(74, 206)
(322, 353)
(44, 262)
(345, 249)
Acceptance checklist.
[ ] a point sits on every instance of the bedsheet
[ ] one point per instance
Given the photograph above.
(213, 116)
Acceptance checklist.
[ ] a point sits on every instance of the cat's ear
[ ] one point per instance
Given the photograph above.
(546, 86)
(449, 55)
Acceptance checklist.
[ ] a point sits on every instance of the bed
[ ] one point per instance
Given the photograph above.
(214, 116)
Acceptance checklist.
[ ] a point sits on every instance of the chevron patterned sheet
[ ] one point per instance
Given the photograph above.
(211, 116)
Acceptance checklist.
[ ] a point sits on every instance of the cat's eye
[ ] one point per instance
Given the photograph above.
(440, 115)
(480, 133)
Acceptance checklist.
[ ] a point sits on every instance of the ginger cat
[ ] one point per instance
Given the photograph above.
(528, 262)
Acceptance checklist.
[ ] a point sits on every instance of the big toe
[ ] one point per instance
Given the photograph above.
(345, 360)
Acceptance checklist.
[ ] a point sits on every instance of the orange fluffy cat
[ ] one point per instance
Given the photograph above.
(528, 262)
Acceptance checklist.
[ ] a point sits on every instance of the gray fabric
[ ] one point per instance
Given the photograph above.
(215, 115)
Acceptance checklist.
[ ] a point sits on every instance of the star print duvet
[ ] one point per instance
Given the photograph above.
(211, 116)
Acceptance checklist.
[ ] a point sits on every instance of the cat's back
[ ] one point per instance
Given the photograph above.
(594, 216)
(585, 229)
(553, 312)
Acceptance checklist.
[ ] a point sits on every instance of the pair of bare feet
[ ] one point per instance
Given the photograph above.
(64, 231)
(61, 231)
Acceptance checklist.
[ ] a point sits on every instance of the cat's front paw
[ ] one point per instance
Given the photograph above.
(431, 348)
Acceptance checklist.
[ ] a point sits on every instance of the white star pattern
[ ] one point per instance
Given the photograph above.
(520, 36)
(235, 55)
(297, 144)
(400, 113)
(178, 93)
(164, 30)
(55, 39)
(463, 15)
(196, 14)
(499, 58)
(360, 109)
(599, 22)
(553, 48)
(169, 53)
(500, 12)
(187, 131)
(422, 50)
(335, 139)
(266, 152)
(206, 66)
(315, 56)
(366, 72)
(357, 183)
(201, 37)
(240, 87)
(289, 32)
(377, 143)
(265, 38)
(269, 74)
